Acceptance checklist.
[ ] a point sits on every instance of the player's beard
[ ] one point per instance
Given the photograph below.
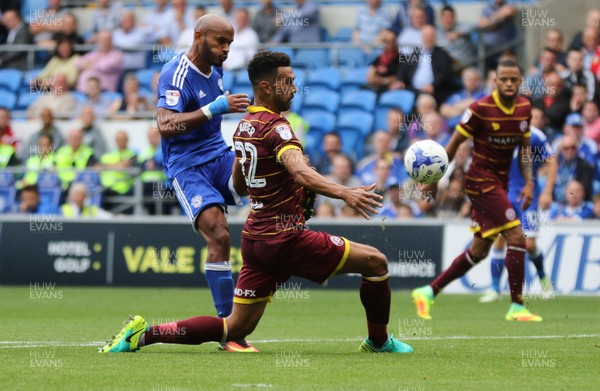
(509, 99)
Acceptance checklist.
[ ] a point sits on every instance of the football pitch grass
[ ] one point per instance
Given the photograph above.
(308, 340)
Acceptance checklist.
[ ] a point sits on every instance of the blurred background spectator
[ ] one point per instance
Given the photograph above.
(104, 63)
(106, 18)
(18, 33)
(575, 208)
(371, 20)
(30, 203)
(300, 24)
(245, 43)
(63, 61)
(455, 39)
(265, 21)
(58, 99)
(383, 71)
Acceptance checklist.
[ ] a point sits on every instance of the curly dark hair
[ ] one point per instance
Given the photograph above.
(264, 64)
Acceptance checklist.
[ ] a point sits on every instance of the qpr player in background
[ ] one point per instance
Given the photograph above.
(196, 158)
(498, 123)
(542, 155)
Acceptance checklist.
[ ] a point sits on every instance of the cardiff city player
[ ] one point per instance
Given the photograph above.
(276, 244)
(542, 155)
(196, 158)
(498, 123)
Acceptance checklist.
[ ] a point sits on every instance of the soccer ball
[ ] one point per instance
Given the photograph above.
(426, 161)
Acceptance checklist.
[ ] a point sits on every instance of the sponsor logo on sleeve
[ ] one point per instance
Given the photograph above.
(284, 132)
(466, 116)
(172, 97)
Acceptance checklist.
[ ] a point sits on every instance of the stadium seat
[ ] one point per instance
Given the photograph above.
(10, 79)
(24, 101)
(144, 77)
(322, 99)
(112, 95)
(348, 57)
(8, 100)
(92, 181)
(228, 80)
(357, 120)
(311, 58)
(242, 79)
(50, 188)
(319, 120)
(327, 78)
(243, 89)
(359, 99)
(7, 192)
(312, 143)
(29, 5)
(79, 96)
(403, 99)
(353, 79)
(343, 34)
(288, 51)
(28, 76)
(297, 102)
(352, 144)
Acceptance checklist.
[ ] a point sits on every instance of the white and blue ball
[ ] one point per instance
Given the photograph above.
(426, 161)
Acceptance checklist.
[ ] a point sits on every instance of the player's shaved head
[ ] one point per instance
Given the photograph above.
(212, 22)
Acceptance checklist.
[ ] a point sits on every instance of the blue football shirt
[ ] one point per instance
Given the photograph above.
(183, 88)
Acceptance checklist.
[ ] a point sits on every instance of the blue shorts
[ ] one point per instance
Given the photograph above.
(205, 185)
(530, 219)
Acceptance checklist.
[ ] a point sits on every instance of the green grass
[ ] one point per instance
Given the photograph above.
(490, 357)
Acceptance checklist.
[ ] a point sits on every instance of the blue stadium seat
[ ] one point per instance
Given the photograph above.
(358, 120)
(288, 51)
(352, 144)
(31, 5)
(328, 78)
(243, 89)
(297, 102)
(323, 100)
(319, 120)
(311, 58)
(24, 101)
(348, 57)
(50, 188)
(8, 100)
(95, 190)
(359, 99)
(403, 99)
(79, 96)
(10, 79)
(28, 76)
(144, 77)
(343, 34)
(312, 143)
(227, 80)
(7, 192)
(242, 79)
(353, 79)
(112, 95)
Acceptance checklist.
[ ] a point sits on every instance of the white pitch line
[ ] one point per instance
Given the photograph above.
(43, 344)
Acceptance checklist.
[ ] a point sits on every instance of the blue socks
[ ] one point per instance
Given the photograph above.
(497, 266)
(538, 262)
(220, 281)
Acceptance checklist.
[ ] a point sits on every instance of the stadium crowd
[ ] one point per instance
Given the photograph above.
(355, 117)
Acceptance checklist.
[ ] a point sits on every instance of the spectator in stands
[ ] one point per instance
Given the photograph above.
(426, 69)
(18, 34)
(8, 153)
(91, 134)
(382, 149)
(78, 204)
(456, 104)
(490, 82)
(41, 158)
(118, 183)
(63, 61)
(539, 120)
(30, 202)
(397, 129)
(554, 104)
(153, 176)
(324, 210)
(425, 104)
(187, 36)
(156, 19)
(597, 206)
(578, 98)
(455, 39)
(383, 177)
(300, 25)
(592, 21)
(94, 98)
(6, 134)
(411, 36)
(132, 102)
(533, 84)
(394, 205)
(72, 157)
(331, 146)
(403, 17)
(153, 98)
(452, 202)
(49, 129)
(372, 18)
(179, 19)
(10, 5)
(590, 48)
(128, 37)
(265, 21)
(106, 17)
(342, 172)
(105, 63)
(383, 71)
(576, 74)
(591, 121)
(586, 147)
(571, 166)
(576, 208)
(59, 99)
(245, 43)
(228, 11)
(45, 23)
(434, 128)
(69, 31)
(497, 24)
(554, 40)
